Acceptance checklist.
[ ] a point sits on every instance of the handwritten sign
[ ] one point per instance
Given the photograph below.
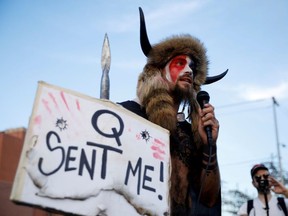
(92, 157)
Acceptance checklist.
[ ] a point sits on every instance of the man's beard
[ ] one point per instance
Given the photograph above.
(182, 94)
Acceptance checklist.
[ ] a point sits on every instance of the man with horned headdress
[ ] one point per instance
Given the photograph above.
(175, 70)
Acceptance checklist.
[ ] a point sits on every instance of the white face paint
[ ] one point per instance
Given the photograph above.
(176, 67)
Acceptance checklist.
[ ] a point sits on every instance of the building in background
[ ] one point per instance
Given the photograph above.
(11, 143)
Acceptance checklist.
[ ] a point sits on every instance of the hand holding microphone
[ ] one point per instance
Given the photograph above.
(202, 99)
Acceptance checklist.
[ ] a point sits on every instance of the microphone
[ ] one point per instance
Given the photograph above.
(202, 99)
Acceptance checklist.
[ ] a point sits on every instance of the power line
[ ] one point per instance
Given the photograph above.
(247, 161)
(243, 103)
(245, 110)
(273, 105)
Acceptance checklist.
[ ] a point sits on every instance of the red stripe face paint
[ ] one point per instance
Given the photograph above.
(176, 67)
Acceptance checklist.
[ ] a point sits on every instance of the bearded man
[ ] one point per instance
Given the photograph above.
(175, 69)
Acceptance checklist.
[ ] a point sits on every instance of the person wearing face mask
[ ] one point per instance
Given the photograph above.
(265, 203)
(175, 70)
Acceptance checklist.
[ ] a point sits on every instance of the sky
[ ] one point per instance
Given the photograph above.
(60, 42)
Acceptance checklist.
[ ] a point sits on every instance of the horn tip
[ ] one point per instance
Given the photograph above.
(216, 78)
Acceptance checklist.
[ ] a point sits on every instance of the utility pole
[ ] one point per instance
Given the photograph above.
(275, 103)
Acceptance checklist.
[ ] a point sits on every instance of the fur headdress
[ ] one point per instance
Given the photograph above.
(167, 49)
(152, 90)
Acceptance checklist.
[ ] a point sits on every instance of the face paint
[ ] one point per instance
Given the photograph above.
(177, 67)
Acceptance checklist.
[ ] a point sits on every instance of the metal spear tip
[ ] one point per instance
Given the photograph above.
(106, 55)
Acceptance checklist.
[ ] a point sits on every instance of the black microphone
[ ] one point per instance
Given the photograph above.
(202, 99)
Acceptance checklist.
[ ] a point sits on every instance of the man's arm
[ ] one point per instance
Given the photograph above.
(210, 177)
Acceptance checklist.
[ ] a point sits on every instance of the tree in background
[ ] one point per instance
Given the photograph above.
(275, 172)
(233, 199)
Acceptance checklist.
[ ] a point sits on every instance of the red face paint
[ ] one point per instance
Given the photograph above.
(177, 66)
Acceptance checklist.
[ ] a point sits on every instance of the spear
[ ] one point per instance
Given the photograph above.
(105, 64)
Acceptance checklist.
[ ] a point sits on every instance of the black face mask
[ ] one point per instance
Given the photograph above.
(192, 65)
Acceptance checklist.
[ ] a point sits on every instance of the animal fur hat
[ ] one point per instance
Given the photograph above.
(161, 53)
(153, 90)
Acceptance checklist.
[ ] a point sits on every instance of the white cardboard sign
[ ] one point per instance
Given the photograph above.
(89, 156)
